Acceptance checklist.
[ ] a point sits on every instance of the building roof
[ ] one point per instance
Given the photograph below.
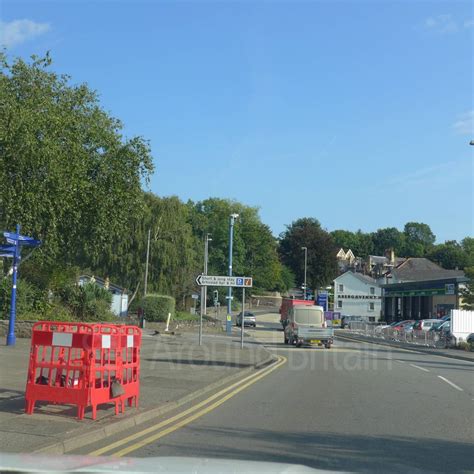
(101, 282)
(419, 269)
(359, 276)
(380, 259)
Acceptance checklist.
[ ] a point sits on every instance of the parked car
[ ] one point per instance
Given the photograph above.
(249, 319)
(426, 324)
(398, 326)
(437, 326)
(379, 329)
(346, 320)
(445, 328)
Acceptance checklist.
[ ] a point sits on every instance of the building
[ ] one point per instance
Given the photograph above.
(420, 289)
(377, 266)
(356, 294)
(119, 305)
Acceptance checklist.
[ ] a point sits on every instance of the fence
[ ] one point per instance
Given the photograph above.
(409, 336)
(83, 365)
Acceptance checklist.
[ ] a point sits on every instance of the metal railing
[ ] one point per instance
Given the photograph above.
(418, 337)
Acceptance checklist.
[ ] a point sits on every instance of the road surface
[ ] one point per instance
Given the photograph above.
(357, 407)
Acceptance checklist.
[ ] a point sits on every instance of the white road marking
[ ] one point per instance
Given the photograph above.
(401, 361)
(418, 367)
(451, 383)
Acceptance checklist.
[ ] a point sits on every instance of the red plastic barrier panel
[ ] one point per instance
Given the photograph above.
(83, 364)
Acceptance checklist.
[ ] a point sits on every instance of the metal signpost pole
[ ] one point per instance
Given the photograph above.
(200, 315)
(11, 339)
(228, 324)
(305, 267)
(206, 258)
(242, 320)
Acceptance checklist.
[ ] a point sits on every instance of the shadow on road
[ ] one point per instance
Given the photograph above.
(322, 450)
(200, 362)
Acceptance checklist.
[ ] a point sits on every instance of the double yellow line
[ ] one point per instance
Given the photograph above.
(181, 419)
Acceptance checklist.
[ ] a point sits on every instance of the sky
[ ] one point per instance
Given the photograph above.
(356, 113)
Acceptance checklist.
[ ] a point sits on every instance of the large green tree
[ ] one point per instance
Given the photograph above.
(322, 263)
(387, 238)
(418, 239)
(67, 174)
(254, 250)
(449, 255)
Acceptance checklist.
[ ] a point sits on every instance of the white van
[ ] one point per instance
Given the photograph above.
(306, 325)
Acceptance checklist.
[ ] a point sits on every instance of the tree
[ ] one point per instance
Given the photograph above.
(449, 255)
(388, 238)
(419, 239)
(467, 293)
(359, 242)
(322, 263)
(467, 245)
(254, 250)
(66, 173)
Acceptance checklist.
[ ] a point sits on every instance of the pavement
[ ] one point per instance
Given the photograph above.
(174, 371)
(356, 407)
(453, 353)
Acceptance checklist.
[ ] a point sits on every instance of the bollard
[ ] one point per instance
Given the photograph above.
(168, 322)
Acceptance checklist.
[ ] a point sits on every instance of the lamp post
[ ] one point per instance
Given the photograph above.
(305, 268)
(228, 325)
(207, 239)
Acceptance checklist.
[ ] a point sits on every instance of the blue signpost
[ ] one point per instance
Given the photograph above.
(322, 300)
(13, 250)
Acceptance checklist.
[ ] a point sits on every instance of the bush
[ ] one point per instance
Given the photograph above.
(88, 302)
(29, 299)
(157, 307)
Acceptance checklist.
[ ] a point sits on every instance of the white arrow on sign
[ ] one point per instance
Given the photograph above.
(214, 280)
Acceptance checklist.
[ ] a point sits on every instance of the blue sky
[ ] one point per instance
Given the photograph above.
(356, 113)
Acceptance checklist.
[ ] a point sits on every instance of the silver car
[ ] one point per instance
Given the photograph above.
(249, 319)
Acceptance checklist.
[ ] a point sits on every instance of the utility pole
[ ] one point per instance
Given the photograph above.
(146, 264)
(206, 258)
(305, 268)
(229, 292)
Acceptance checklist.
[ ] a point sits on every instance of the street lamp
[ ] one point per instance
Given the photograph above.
(305, 267)
(228, 325)
(207, 239)
(471, 142)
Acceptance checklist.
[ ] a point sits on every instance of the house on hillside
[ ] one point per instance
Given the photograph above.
(356, 294)
(119, 305)
(420, 289)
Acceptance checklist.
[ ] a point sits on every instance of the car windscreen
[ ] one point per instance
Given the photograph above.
(308, 316)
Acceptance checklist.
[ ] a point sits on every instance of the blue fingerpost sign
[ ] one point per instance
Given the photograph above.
(13, 250)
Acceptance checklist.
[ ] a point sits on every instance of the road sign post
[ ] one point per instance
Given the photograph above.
(13, 250)
(242, 320)
(227, 281)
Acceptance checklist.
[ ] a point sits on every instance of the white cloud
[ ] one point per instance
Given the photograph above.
(18, 31)
(446, 24)
(465, 124)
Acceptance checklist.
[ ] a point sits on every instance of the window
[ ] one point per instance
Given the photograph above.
(372, 290)
(371, 306)
(372, 319)
(341, 287)
(339, 304)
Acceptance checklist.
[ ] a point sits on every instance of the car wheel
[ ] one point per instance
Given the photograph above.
(286, 340)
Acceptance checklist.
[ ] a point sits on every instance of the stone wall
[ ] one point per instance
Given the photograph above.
(22, 328)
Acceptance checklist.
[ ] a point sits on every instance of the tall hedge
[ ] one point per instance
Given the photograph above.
(156, 307)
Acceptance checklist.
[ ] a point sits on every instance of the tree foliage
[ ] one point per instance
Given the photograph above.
(321, 264)
(67, 175)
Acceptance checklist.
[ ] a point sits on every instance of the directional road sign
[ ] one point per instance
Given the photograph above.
(212, 280)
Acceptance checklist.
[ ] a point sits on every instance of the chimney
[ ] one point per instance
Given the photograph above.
(392, 257)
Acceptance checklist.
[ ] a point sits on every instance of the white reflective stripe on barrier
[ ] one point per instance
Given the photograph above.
(130, 340)
(62, 339)
(106, 341)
